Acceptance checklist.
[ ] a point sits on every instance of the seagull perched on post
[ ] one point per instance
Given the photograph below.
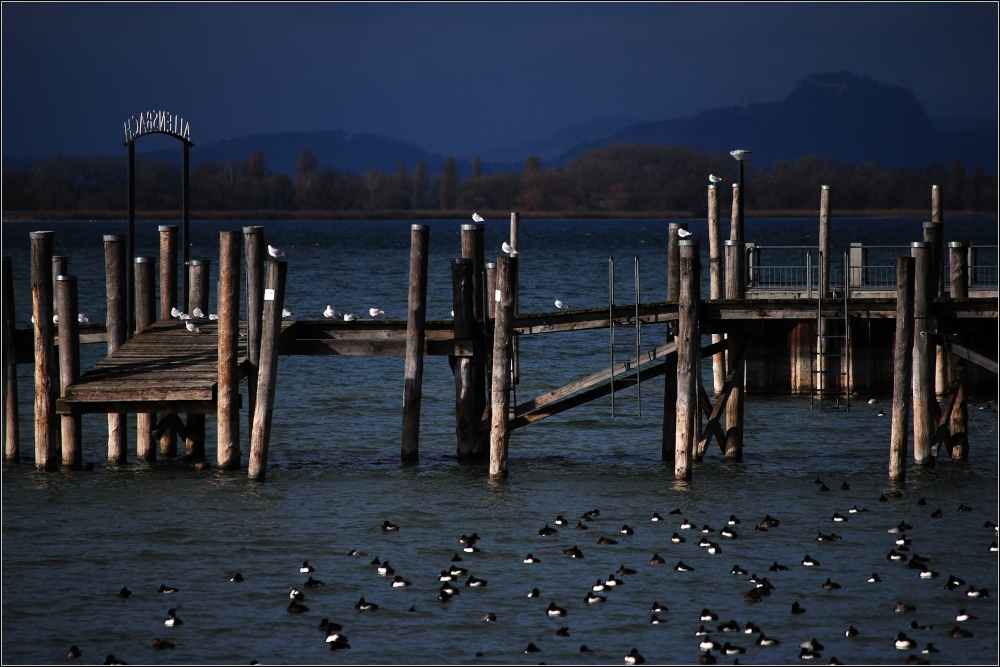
(330, 313)
(350, 317)
(714, 179)
(477, 218)
(509, 249)
(683, 233)
(375, 312)
(277, 253)
(561, 306)
(192, 327)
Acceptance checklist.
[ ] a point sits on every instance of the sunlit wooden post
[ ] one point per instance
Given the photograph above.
(12, 427)
(69, 366)
(117, 328)
(415, 327)
(688, 359)
(502, 351)
(227, 397)
(716, 278)
(46, 383)
(253, 250)
(260, 433)
(168, 301)
(824, 241)
(145, 316)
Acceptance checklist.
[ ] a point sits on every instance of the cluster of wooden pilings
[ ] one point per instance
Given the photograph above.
(483, 357)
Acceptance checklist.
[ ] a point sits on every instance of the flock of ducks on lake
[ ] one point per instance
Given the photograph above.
(714, 639)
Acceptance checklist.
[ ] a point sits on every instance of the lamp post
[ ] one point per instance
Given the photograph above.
(741, 155)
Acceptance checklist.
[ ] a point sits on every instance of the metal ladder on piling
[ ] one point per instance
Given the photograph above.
(830, 360)
(625, 343)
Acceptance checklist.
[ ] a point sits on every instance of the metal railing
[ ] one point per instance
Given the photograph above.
(796, 268)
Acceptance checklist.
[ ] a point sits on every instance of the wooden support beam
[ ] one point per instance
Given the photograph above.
(502, 380)
(228, 414)
(733, 379)
(274, 299)
(145, 316)
(69, 366)
(416, 314)
(12, 427)
(969, 355)
(46, 380)
(117, 333)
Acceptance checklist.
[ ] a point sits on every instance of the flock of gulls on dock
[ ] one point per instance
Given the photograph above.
(330, 312)
(716, 638)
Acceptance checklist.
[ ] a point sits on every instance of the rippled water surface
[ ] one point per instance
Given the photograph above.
(71, 541)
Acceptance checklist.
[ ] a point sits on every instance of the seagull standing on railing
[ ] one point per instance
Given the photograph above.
(375, 312)
(277, 253)
(561, 305)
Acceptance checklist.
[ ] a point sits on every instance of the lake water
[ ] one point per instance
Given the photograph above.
(72, 540)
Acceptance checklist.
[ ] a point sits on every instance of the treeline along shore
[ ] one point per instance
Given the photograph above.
(628, 181)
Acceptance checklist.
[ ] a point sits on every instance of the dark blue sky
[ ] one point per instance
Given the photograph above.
(459, 78)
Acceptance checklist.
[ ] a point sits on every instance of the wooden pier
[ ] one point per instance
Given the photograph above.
(173, 376)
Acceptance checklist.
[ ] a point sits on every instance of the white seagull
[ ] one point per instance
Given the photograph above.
(350, 317)
(285, 313)
(561, 305)
(213, 316)
(714, 179)
(375, 312)
(509, 249)
(175, 313)
(477, 218)
(330, 313)
(82, 319)
(192, 327)
(276, 252)
(55, 319)
(683, 233)
(199, 313)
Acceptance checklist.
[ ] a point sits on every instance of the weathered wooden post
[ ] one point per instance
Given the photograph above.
(933, 236)
(734, 261)
(669, 440)
(901, 364)
(253, 249)
(60, 267)
(688, 359)
(467, 413)
(674, 261)
(168, 301)
(415, 322)
(69, 366)
(260, 434)
(145, 316)
(824, 241)
(194, 436)
(12, 428)
(502, 353)
(937, 252)
(46, 384)
(958, 261)
(736, 233)
(515, 361)
(491, 287)
(716, 278)
(923, 355)
(473, 249)
(227, 395)
(489, 304)
(117, 328)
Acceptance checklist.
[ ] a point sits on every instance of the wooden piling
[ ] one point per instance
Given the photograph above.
(253, 249)
(937, 251)
(688, 359)
(901, 369)
(467, 413)
(515, 361)
(199, 271)
(117, 332)
(824, 241)
(958, 261)
(473, 249)
(923, 355)
(491, 288)
(958, 425)
(734, 287)
(716, 278)
(736, 403)
(60, 267)
(145, 316)
(227, 395)
(489, 304)
(416, 312)
(260, 434)
(12, 428)
(933, 236)
(502, 353)
(674, 260)
(67, 298)
(46, 384)
(669, 440)
(168, 301)
(198, 277)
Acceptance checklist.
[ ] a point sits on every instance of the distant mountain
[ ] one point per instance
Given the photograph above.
(837, 115)
(561, 141)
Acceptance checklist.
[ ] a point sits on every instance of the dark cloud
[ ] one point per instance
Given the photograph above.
(459, 78)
